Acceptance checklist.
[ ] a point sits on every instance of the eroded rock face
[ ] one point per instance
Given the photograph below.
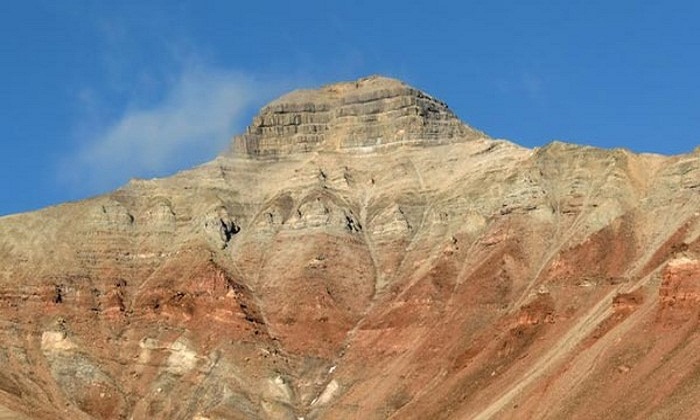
(361, 253)
(357, 116)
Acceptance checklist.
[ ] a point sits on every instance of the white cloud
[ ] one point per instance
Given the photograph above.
(194, 121)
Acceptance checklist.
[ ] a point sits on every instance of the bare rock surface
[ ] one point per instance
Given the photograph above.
(361, 116)
(362, 253)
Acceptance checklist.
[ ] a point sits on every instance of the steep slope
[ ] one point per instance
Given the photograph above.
(361, 253)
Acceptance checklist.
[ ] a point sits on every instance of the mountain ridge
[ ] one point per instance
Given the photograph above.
(423, 277)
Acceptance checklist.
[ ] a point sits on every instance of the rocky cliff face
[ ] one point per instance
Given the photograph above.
(361, 253)
(361, 116)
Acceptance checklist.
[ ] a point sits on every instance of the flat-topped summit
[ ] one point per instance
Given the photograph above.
(361, 115)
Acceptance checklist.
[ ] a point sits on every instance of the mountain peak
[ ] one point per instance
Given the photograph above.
(506, 282)
(368, 114)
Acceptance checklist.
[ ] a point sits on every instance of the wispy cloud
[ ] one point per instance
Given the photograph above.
(192, 122)
(157, 105)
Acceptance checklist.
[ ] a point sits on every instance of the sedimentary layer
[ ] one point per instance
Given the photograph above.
(360, 116)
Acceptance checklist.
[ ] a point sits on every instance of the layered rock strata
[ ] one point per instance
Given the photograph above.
(318, 273)
(357, 116)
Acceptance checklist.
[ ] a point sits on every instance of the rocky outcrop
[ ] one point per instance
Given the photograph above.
(361, 253)
(365, 115)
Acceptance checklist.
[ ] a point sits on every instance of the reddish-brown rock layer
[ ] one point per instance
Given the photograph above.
(362, 254)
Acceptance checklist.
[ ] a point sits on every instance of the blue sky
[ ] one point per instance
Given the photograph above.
(95, 93)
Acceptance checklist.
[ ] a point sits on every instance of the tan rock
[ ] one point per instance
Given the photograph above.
(361, 247)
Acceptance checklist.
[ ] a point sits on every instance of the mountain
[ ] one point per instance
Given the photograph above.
(359, 252)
